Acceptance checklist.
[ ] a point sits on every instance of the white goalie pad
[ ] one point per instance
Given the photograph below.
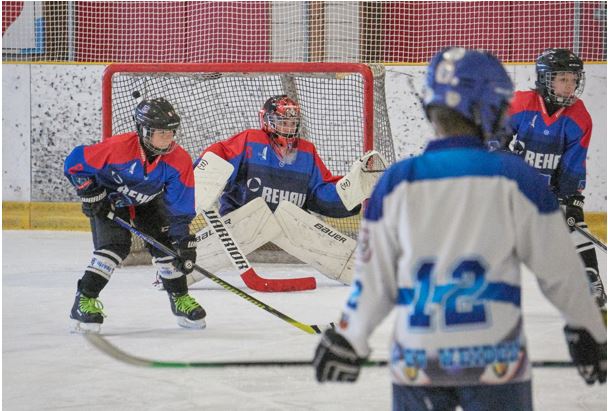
(210, 177)
(358, 184)
(251, 226)
(315, 242)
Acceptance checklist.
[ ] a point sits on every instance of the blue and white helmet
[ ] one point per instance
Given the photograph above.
(472, 82)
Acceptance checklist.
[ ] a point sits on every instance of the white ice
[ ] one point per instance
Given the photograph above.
(47, 368)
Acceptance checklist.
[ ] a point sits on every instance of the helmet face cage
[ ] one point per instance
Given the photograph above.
(153, 115)
(549, 65)
(280, 117)
(545, 83)
(145, 134)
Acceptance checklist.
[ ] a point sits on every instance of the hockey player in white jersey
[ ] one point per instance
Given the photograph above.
(442, 243)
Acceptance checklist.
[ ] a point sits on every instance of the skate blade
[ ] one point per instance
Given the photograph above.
(186, 323)
(78, 327)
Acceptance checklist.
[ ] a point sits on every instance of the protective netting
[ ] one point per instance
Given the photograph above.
(264, 31)
(214, 106)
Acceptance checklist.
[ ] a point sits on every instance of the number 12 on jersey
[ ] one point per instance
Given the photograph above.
(458, 301)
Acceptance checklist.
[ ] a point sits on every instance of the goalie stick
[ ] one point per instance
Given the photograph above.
(248, 274)
(113, 351)
(308, 328)
(591, 237)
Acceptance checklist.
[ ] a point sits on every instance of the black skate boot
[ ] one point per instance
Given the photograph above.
(189, 313)
(87, 315)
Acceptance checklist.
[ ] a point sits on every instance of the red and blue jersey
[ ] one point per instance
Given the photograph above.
(119, 164)
(555, 145)
(259, 172)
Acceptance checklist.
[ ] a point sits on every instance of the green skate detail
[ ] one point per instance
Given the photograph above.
(186, 304)
(90, 306)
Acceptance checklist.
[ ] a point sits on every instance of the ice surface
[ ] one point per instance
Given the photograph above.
(47, 368)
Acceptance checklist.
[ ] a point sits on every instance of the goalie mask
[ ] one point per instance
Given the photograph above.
(474, 84)
(560, 78)
(280, 118)
(152, 115)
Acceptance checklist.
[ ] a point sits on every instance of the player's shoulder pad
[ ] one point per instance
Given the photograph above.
(120, 148)
(579, 114)
(180, 160)
(523, 100)
(234, 146)
(252, 135)
(306, 146)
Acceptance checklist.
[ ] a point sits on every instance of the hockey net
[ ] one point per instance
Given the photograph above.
(343, 106)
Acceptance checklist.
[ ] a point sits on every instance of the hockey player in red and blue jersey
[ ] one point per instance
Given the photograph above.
(442, 243)
(552, 132)
(146, 177)
(276, 164)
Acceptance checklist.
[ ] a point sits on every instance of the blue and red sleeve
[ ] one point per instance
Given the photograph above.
(179, 192)
(572, 174)
(83, 164)
(519, 104)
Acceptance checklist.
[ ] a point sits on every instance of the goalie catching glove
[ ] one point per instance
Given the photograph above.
(588, 356)
(186, 250)
(335, 359)
(358, 184)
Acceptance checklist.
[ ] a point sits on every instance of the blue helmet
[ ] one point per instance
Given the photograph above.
(473, 83)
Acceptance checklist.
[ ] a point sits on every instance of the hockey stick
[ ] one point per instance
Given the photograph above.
(113, 351)
(308, 328)
(591, 237)
(240, 262)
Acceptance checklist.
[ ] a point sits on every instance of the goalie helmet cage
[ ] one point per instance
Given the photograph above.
(343, 106)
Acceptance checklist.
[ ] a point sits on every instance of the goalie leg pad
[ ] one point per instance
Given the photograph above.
(252, 226)
(315, 242)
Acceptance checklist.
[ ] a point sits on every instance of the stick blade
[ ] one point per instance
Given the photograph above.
(257, 283)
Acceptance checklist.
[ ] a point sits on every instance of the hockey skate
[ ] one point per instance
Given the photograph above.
(189, 313)
(87, 315)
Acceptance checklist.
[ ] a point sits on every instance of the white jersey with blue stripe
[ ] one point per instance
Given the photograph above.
(442, 241)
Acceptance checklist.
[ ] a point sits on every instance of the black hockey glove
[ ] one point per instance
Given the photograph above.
(335, 359)
(94, 199)
(573, 209)
(186, 250)
(588, 356)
